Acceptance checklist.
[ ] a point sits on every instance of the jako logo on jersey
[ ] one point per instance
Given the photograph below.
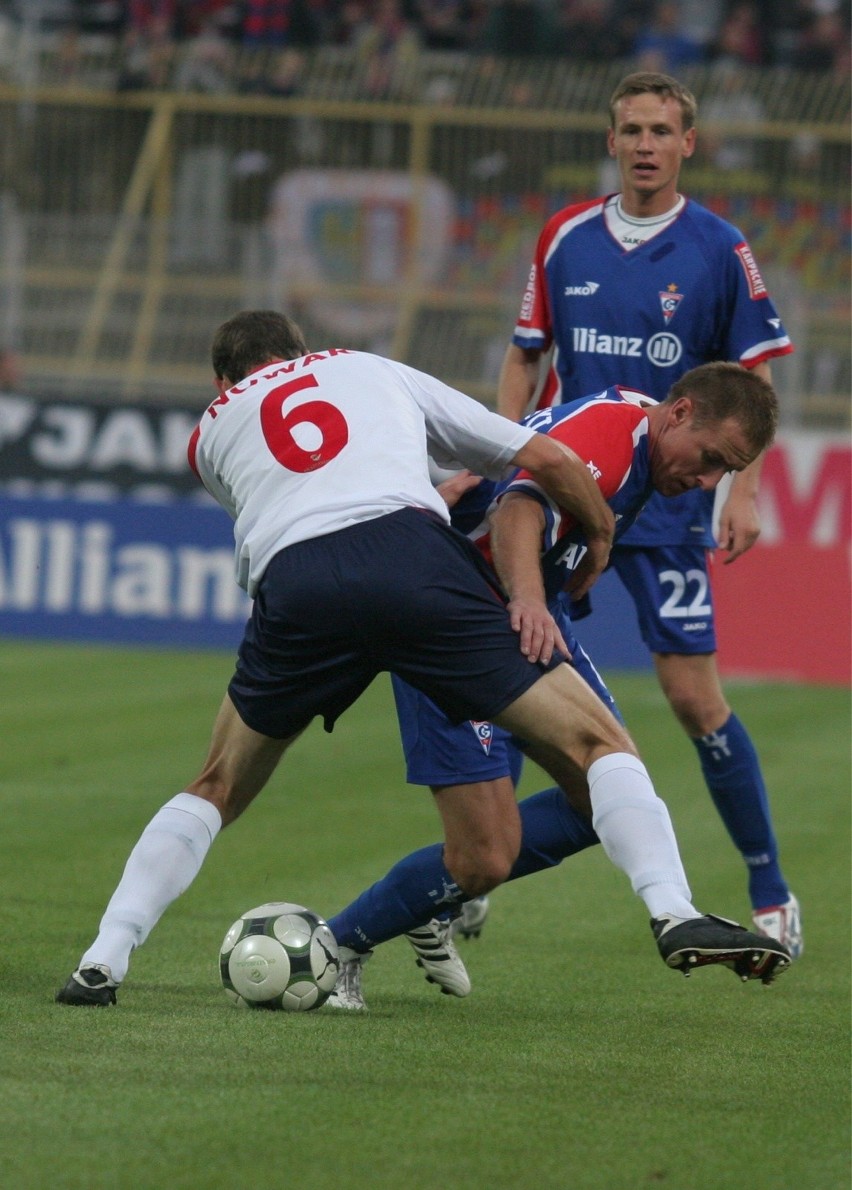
(756, 288)
(663, 349)
(669, 302)
(484, 733)
(582, 290)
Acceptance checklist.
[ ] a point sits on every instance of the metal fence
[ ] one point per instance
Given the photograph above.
(132, 223)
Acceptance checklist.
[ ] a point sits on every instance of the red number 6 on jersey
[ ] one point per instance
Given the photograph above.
(278, 427)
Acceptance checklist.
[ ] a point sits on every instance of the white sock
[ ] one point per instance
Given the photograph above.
(635, 831)
(161, 866)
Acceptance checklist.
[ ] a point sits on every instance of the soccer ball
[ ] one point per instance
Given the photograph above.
(281, 956)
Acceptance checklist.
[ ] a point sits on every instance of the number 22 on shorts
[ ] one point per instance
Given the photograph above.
(674, 606)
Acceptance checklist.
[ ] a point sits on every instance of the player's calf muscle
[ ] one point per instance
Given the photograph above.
(482, 831)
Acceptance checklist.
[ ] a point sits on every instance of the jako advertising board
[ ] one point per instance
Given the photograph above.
(105, 533)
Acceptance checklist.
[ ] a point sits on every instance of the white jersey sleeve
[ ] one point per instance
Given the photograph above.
(461, 431)
(306, 447)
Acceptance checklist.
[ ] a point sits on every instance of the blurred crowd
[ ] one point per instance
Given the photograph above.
(215, 45)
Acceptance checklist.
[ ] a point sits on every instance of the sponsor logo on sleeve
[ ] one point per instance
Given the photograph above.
(529, 297)
(756, 287)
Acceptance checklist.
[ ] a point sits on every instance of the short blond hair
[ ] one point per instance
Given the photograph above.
(645, 82)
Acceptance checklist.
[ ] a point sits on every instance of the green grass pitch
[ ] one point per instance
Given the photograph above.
(579, 1061)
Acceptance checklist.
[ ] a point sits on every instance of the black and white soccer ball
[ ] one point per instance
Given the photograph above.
(279, 955)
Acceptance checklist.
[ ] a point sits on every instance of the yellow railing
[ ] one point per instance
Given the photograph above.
(105, 299)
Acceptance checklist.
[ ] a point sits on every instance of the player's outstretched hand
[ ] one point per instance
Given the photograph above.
(739, 525)
(451, 490)
(539, 635)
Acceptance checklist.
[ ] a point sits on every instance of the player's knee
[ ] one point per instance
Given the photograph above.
(698, 711)
(613, 738)
(694, 691)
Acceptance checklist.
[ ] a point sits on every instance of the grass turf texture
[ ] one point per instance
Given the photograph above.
(578, 1061)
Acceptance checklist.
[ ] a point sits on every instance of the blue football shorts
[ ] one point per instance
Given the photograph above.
(402, 592)
(438, 752)
(670, 587)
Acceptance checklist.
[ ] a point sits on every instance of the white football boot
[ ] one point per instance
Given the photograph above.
(438, 957)
(347, 991)
(472, 918)
(783, 923)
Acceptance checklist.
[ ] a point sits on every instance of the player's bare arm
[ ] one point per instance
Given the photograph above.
(739, 519)
(516, 527)
(518, 381)
(567, 480)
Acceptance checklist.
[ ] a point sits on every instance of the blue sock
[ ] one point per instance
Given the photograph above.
(419, 887)
(732, 773)
(552, 830)
(415, 890)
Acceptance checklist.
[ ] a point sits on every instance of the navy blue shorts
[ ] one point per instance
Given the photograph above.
(670, 586)
(403, 593)
(438, 752)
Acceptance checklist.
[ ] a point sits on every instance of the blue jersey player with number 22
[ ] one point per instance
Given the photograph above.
(637, 288)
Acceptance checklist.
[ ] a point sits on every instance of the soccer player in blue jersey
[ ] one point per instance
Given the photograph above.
(716, 419)
(639, 287)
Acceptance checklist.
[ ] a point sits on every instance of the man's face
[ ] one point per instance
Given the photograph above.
(649, 143)
(684, 456)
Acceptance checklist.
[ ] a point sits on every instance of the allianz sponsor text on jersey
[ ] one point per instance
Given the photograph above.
(663, 349)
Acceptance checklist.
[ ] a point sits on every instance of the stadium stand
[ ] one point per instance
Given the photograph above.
(383, 170)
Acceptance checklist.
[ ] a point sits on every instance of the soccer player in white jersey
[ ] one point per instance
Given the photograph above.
(637, 288)
(321, 460)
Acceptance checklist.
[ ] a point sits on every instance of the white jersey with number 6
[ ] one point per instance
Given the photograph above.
(305, 447)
